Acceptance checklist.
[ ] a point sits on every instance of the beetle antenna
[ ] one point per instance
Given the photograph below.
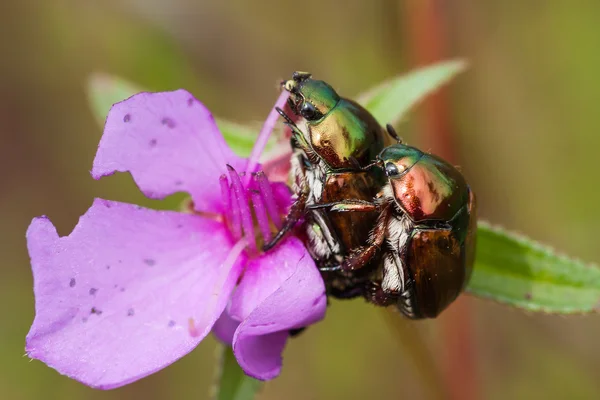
(369, 166)
(285, 116)
(392, 132)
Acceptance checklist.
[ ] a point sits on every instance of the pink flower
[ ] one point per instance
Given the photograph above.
(132, 290)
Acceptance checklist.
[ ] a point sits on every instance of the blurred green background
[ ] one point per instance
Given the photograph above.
(521, 122)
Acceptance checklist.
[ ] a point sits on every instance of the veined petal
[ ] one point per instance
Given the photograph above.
(281, 300)
(170, 143)
(128, 292)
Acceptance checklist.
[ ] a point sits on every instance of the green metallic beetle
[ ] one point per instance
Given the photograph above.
(383, 220)
(339, 138)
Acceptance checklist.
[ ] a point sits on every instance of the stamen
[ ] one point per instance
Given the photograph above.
(244, 208)
(232, 213)
(265, 133)
(261, 214)
(268, 198)
(226, 197)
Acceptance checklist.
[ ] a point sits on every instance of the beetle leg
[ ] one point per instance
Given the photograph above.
(297, 134)
(288, 120)
(375, 294)
(361, 256)
(347, 205)
(296, 212)
(298, 137)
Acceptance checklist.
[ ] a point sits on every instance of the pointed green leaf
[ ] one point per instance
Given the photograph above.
(390, 101)
(104, 90)
(232, 383)
(518, 271)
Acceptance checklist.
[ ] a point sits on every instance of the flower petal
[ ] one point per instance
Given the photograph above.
(128, 292)
(169, 142)
(276, 164)
(282, 195)
(263, 276)
(225, 328)
(285, 291)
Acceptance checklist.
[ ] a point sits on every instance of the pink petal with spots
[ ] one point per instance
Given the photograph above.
(115, 299)
(169, 142)
(282, 290)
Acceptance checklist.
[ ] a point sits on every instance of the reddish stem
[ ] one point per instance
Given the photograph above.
(426, 34)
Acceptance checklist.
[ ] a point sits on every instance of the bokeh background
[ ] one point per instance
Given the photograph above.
(522, 123)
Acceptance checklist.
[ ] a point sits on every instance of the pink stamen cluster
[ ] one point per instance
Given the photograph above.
(256, 187)
(238, 213)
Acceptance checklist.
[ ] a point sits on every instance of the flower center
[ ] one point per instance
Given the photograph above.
(251, 210)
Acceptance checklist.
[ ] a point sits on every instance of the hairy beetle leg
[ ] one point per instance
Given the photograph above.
(361, 256)
(375, 294)
(296, 212)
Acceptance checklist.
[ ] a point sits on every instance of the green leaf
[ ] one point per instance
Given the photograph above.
(390, 101)
(518, 271)
(104, 90)
(232, 383)
(239, 137)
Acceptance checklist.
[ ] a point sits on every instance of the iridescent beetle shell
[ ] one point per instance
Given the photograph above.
(402, 234)
(338, 138)
(439, 251)
(340, 131)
